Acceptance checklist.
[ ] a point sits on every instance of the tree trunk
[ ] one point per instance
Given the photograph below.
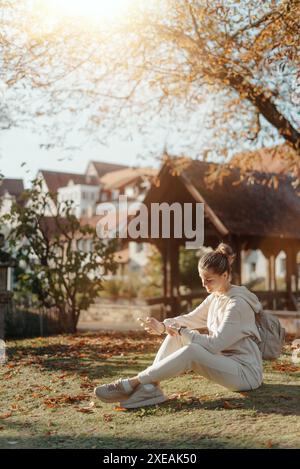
(267, 108)
(67, 322)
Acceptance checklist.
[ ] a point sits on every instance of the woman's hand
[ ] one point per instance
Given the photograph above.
(172, 328)
(152, 325)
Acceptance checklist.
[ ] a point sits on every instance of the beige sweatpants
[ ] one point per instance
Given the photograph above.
(175, 356)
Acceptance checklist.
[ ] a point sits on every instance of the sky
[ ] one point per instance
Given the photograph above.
(18, 146)
(21, 145)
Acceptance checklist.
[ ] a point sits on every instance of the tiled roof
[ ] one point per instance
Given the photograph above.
(12, 186)
(103, 167)
(56, 179)
(118, 179)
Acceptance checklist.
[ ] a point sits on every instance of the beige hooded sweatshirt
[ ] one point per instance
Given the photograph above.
(230, 319)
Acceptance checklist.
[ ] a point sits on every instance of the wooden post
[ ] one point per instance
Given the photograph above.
(296, 269)
(234, 242)
(272, 277)
(165, 280)
(175, 269)
(168, 268)
(238, 264)
(289, 269)
(273, 267)
(269, 273)
(167, 274)
(270, 253)
(174, 277)
(291, 266)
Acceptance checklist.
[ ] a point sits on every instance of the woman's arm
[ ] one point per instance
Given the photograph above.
(229, 332)
(196, 318)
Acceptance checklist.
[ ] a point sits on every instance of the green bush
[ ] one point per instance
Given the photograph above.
(111, 288)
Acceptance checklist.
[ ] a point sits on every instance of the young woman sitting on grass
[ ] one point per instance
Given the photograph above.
(227, 355)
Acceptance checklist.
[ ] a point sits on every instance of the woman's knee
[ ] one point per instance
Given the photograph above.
(191, 348)
(190, 353)
(169, 345)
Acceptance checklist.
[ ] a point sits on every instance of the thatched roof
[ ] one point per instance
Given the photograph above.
(243, 208)
(280, 159)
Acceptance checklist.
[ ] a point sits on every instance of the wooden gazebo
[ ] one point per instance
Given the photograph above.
(247, 216)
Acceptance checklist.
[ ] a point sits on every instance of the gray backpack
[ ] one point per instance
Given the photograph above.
(272, 335)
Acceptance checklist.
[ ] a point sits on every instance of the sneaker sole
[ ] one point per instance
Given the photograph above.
(154, 400)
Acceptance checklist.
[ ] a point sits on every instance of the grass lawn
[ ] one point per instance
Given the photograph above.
(46, 400)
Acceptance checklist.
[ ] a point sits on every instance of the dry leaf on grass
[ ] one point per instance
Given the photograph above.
(85, 410)
(231, 405)
(15, 406)
(89, 409)
(285, 367)
(119, 409)
(179, 395)
(5, 416)
(65, 399)
(87, 385)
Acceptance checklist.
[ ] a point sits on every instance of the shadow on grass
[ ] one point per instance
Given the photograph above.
(87, 355)
(90, 348)
(204, 441)
(282, 399)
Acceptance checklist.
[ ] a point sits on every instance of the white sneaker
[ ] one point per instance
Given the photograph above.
(143, 395)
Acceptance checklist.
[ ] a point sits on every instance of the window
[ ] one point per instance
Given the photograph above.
(253, 267)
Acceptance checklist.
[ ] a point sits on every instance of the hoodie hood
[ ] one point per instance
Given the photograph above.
(243, 292)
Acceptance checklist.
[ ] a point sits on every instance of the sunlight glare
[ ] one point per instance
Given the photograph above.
(108, 10)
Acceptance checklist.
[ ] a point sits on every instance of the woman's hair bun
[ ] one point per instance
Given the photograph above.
(226, 250)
